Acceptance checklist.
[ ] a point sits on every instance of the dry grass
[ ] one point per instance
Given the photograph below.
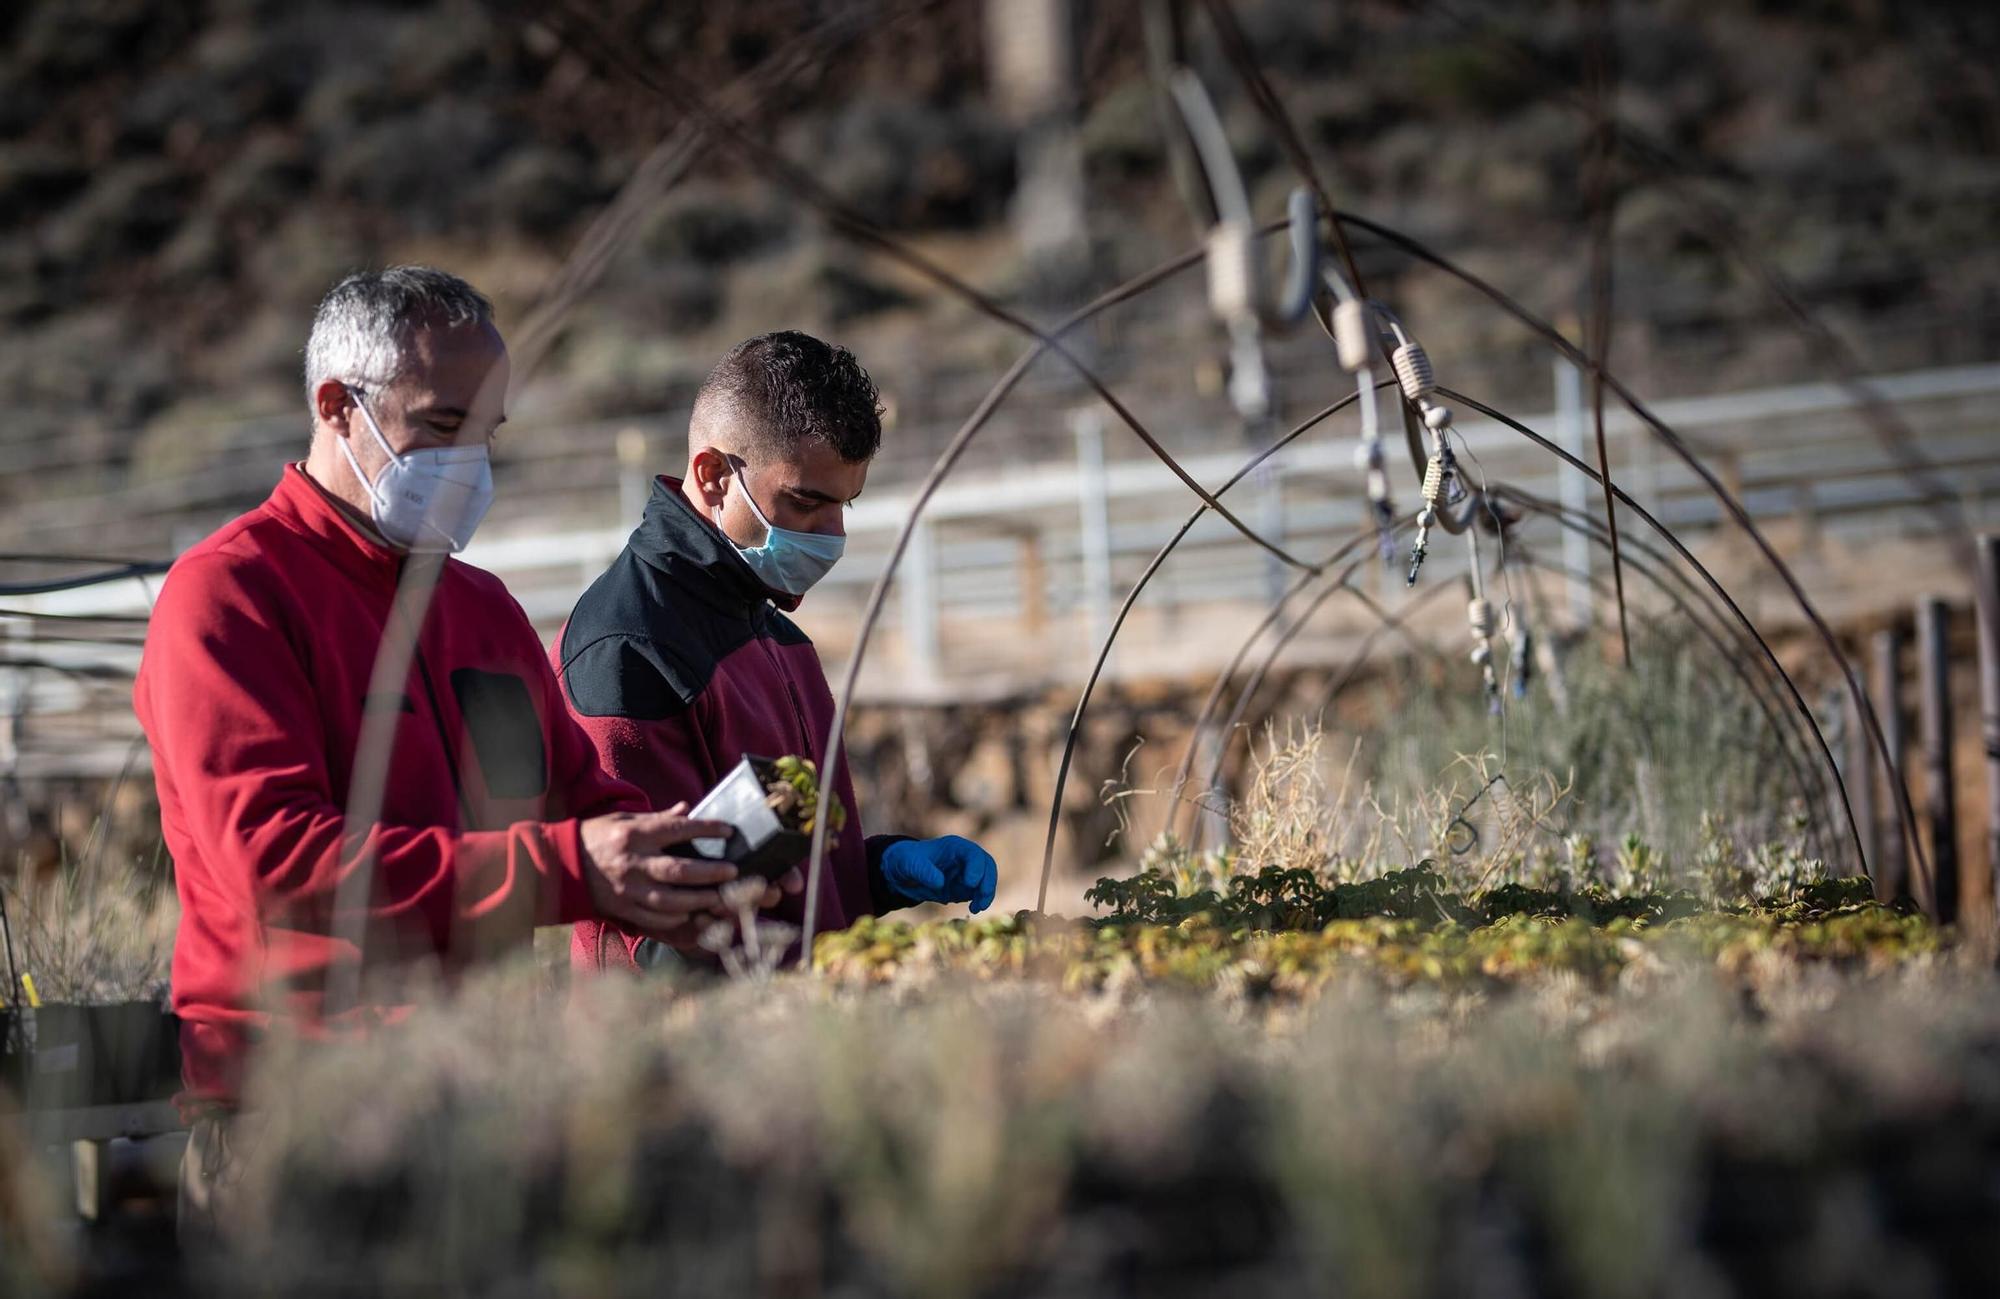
(100, 929)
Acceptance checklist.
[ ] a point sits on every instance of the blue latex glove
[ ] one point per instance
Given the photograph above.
(950, 869)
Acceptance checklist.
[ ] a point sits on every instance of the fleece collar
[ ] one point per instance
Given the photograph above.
(309, 510)
(675, 539)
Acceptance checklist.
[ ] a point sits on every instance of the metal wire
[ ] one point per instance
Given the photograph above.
(1236, 48)
(1905, 811)
(1758, 687)
(1602, 202)
(948, 459)
(1670, 170)
(1667, 535)
(580, 30)
(1256, 680)
(123, 571)
(1118, 624)
(1692, 599)
(1396, 619)
(784, 72)
(1256, 633)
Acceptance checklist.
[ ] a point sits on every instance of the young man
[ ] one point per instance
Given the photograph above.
(363, 759)
(679, 659)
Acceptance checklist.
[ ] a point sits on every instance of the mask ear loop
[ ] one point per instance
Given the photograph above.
(736, 476)
(374, 494)
(375, 429)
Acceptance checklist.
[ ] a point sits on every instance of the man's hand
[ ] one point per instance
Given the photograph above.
(633, 880)
(950, 869)
(686, 937)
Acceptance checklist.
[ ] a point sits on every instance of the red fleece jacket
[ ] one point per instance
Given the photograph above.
(252, 692)
(677, 664)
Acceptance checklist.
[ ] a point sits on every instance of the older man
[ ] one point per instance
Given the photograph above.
(680, 659)
(363, 760)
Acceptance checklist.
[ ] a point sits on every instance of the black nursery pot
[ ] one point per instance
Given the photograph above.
(13, 1052)
(122, 1054)
(760, 844)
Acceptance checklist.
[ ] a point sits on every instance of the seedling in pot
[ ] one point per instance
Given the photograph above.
(792, 792)
(772, 803)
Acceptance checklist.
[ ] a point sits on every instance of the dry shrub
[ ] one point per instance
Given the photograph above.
(96, 931)
(1305, 808)
(1286, 816)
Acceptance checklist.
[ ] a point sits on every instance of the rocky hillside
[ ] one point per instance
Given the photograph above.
(179, 182)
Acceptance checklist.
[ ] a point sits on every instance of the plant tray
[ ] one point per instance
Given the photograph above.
(761, 844)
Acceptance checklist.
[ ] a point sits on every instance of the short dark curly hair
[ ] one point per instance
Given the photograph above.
(783, 390)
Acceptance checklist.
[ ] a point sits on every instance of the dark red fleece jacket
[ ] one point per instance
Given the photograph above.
(252, 691)
(677, 664)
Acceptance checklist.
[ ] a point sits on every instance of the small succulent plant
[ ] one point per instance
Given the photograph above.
(792, 791)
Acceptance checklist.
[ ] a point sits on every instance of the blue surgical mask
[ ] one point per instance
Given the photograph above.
(788, 561)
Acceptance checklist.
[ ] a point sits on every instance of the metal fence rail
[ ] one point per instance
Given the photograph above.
(1013, 576)
(1056, 541)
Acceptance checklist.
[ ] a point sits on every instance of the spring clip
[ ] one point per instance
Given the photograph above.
(1441, 486)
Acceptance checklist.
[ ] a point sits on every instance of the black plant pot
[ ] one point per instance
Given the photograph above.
(760, 844)
(123, 1054)
(13, 1053)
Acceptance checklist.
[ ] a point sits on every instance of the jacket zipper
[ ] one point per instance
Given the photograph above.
(791, 692)
(467, 820)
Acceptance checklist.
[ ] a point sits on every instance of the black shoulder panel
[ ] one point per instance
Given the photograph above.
(626, 676)
(784, 631)
(642, 644)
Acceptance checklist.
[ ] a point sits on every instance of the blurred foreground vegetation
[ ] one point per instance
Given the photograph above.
(1443, 1041)
(1261, 1083)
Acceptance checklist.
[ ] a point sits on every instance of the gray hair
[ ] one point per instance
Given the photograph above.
(362, 330)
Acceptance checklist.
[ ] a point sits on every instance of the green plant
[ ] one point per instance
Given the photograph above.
(1659, 751)
(793, 792)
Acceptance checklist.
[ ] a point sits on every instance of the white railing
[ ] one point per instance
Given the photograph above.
(1090, 524)
(1016, 572)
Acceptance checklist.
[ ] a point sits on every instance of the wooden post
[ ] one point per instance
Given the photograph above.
(920, 603)
(1892, 878)
(1034, 583)
(635, 481)
(1032, 66)
(1094, 527)
(1988, 610)
(1860, 779)
(90, 1165)
(1939, 894)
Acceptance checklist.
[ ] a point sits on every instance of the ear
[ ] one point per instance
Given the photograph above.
(709, 472)
(331, 404)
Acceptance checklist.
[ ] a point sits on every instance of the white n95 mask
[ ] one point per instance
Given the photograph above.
(431, 499)
(788, 561)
